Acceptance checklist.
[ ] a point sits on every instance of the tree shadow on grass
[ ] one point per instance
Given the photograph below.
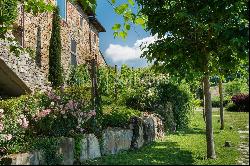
(192, 131)
(158, 153)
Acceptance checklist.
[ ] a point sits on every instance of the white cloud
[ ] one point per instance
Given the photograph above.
(118, 53)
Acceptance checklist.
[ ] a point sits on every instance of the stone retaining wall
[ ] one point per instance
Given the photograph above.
(142, 130)
(116, 140)
(25, 68)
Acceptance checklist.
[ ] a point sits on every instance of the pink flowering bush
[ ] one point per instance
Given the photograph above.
(65, 112)
(59, 112)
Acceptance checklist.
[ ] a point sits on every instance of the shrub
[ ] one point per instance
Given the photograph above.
(216, 101)
(14, 122)
(53, 113)
(65, 112)
(231, 107)
(79, 75)
(49, 146)
(118, 116)
(156, 96)
(235, 87)
(242, 102)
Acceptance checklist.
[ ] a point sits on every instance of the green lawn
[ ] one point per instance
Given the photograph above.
(187, 147)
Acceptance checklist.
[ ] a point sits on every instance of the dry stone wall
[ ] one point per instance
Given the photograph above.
(116, 140)
(113, 141)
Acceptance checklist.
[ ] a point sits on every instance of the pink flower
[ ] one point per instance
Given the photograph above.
(1, 127)
(43, 113)
(92, 113)
(58, 98)
(53, 96)
(25, 123)
(76, 104)
(1, 115)
(70, 105)
(8, 137)
(20, 121)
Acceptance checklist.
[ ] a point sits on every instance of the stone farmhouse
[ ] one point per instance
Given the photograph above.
(80, 43)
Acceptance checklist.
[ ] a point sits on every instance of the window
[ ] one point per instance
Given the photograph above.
(95, 38)
(81, 21)
(73, 52)
(62, 7)
(38, 46)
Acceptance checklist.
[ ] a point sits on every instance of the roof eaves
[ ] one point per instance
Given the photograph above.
(96, 23)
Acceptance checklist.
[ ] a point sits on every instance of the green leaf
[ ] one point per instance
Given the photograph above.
(121, 9)
(127, 27)
(115, 34)
(140, 21)
(116, 27)
(113, 1)
(123, 34)
(128, 15)
(131, 2)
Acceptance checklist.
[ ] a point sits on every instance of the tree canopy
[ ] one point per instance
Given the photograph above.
(218, 29)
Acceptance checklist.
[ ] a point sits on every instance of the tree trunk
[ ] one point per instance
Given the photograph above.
(208, 111)
(221, 105)
(203, 95)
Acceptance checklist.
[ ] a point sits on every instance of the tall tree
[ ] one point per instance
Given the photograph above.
(237, 68)
(200, 32)
(55, 68)
(221, 105)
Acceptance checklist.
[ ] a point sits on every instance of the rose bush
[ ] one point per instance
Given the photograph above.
(61, 112)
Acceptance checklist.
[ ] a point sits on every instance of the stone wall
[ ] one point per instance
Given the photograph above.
(116, 140)
(143, 130)
(37, 32)
(25, 68)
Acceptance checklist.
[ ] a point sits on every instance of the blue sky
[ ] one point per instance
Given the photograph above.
(116, 50)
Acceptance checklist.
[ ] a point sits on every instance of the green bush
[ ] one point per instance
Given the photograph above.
(231, 107)
(14, 120)
(156, 96)
(50, 148)
(118, 116)
(216, 101)
(79, 75)
(235, 87)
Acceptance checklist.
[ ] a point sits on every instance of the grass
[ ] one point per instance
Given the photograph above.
(186, 147)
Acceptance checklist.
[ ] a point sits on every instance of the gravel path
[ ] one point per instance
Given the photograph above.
(244, 147)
